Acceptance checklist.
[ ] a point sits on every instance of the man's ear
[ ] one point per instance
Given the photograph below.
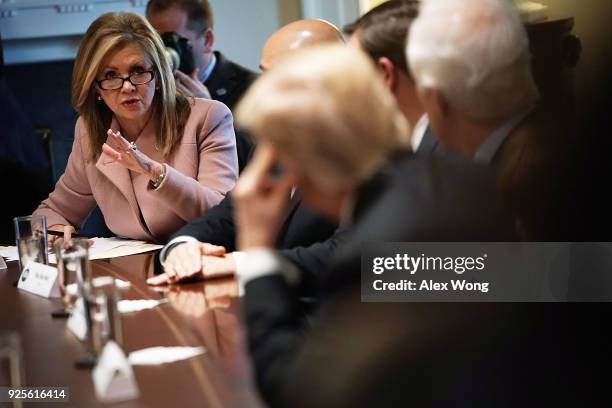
(389, 73)
(209, 40)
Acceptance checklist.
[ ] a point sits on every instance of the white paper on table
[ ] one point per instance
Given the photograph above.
(102, 248)
(9, 252)
(163, 355)
(129, 306)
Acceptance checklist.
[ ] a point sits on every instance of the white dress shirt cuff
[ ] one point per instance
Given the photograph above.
(168, 247)
(260, 262)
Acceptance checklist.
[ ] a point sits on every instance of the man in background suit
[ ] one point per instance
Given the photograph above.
(307, 239)
(381, 33)
(215, 76)
(471, 63)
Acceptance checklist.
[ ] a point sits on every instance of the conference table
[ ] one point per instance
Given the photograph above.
(196, 314)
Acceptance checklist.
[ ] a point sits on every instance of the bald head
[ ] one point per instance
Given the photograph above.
(297, 35)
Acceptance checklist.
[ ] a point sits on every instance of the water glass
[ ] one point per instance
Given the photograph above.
(106, 319)
(73, 269)
(31, 239)
(10, 349)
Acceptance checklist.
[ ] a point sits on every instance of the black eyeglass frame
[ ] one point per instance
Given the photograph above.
(127, 78)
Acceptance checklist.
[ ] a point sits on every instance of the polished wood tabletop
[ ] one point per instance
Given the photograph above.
(200, 313)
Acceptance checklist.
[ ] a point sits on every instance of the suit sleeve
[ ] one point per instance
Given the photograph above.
(215, 227)
(244, 147)
(314, 260)
(275, 316)
(72, 199)
(217, 171)
(275, 328)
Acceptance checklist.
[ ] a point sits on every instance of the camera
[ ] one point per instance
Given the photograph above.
(178, 52)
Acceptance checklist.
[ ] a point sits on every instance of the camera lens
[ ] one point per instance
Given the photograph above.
(179, 52)
(173, 57)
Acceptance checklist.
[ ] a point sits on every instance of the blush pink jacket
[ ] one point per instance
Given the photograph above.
(201, 169)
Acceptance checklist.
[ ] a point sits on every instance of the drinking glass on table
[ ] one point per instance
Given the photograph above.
(31, 239)
(100, 300)
(73, 269)
(106, 318)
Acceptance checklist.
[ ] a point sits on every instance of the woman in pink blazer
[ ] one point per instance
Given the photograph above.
(150, 158)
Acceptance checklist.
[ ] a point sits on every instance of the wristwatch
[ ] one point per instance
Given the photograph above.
(156, 182)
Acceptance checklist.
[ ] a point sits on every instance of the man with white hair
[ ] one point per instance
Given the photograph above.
(471, 62)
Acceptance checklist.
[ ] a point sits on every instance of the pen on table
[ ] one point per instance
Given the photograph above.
(61, 234)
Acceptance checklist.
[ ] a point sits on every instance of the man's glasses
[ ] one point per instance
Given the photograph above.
(137, 78)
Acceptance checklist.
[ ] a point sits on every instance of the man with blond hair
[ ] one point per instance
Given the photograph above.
(327, 117)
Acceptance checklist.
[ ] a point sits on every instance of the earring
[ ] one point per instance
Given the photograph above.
(99, 98)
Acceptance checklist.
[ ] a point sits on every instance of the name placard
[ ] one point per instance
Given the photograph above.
(40, 280)
(113, 377)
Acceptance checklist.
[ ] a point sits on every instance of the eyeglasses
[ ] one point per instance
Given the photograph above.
(137, 78)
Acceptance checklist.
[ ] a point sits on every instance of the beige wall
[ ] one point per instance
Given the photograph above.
(242, 27)
(288, 11)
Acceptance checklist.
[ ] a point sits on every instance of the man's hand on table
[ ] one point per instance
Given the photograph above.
(195, 260)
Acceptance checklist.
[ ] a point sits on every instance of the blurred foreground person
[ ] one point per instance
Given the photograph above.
(306, 239)
(326, 124)
(150, 158)
(471, 62)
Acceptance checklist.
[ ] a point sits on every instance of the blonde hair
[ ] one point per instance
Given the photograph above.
(326, 109)
(110, 32)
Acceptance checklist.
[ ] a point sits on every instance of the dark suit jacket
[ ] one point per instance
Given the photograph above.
(468, 355)
(537, 176)
(427, 199)
(307, 239)
(227, 83)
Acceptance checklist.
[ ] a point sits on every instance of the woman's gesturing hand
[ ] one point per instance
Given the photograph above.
(126, 154)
